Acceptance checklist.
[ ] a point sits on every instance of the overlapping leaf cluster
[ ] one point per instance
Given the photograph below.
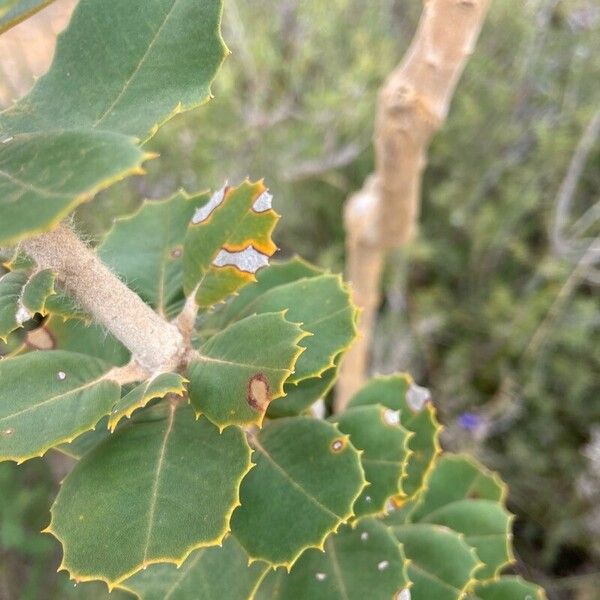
(214, 479)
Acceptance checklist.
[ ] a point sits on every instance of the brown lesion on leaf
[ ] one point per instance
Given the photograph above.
(176, 252)
(40, 339)
(259, 392)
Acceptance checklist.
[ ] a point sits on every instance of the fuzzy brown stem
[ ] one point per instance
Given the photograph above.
(155, 344)
(413, 105)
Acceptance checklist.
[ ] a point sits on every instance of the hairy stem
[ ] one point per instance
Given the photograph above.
(155, 344)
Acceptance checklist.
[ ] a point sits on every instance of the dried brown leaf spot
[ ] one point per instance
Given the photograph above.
(259, 392)
(40, 339)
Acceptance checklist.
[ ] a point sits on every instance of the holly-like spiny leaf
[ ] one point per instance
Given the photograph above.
(44, 176)
(208, 573)
(442, 564)
(239, 371)
(301, 396)
(155, 491)
(136, 86)
(277, 273)
(78, 336)
(467, 498)
(323, 306)
(146, 250)
(12, 12)
(306, 480)
(228, 241)
(417, 414)
(156, 387)
(507, 588)
(48, 398)
(359, 563)
(11, 288)
(376, 430)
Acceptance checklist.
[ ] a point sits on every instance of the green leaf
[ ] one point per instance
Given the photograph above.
(277, 273)
(441, 563)
(37, 291)
(376, 430)
(154, 491)
(299, 397)
(242, 369)
(322, 304)
(228, 241)
(456, 478)
(415, 415)
(12, 12)
(145, 249)
(306, 480)
(365, 562)
(87, 441)
(508, 588)
(77, 336)
(157, 387)
(11, 287)
(48, 398)
(44, 176)
(467, 498)
(209, 573)
(163, 57)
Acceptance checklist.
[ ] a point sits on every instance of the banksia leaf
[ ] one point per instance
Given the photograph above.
(417, 414)
(441, 563)
(228, 241)
(77, 336)
(359, 563)
(322, 305)
(49, 398)
(276, 274)
(154, 491)
(78, 130)
(146, 250)
(156, 387)
(36, 293)
(86, 442)
(463, 496)
(306, 480)
(208, 573)
(44, 176)
(239, 371)
(11, 287)
(299, 397)
(376, 431)
(12, 12)
(507, 588)
(137, 86)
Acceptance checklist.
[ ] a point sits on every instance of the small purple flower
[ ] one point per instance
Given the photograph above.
(469, 421)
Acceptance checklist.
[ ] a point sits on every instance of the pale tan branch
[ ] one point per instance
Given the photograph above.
(155, 344)
(413, 105)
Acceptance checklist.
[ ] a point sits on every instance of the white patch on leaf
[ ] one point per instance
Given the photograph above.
(22, 315)
(263, 203)
(249, 260)
(205, 211)
(417, 397)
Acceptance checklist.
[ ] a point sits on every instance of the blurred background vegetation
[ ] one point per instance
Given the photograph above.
(486, 308)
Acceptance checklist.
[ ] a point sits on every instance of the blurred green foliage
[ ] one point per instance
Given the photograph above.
(480, 308)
